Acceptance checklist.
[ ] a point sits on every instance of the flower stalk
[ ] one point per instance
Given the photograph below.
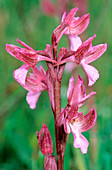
(59, 135)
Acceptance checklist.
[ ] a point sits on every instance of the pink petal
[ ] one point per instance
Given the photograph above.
(75, 42)
(12, 49)
(63, 17)
(45, 55)
(72, 115)
(82, 100)
(88, 120)
(25, 45)
(42, 70)
(83, 49)
(44, 58)
(20, 74)
(61, 53)
(34, 85)
(48, 50)
(70, 88)
(68, 57)
(91, 72)
(80, 142)
(69, 67)
(32, 99)
(58, 32)
(78, 92)
(66, 126)
(37, 81)
(71, 15)
(77, 27)
(95, 52)
(23, 54)
(40, 75)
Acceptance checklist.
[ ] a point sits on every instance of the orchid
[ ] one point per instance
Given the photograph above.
(66, 119)
(76, 123)
(71, 25)
(84, 58)
(35, 84)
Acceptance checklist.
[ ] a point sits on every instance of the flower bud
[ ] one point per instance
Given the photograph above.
(50, 162)
(44, 140)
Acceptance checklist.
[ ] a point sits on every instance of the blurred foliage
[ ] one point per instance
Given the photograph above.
(18, 124)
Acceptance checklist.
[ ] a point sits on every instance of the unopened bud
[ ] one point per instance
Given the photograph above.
(50, 162)
(44, 140)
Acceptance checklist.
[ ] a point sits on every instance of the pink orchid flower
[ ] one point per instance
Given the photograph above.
(28, 55)
(71, 25)
(76, 123)
(35, 84)
(85, 54)
(77, 92)
(93, 53)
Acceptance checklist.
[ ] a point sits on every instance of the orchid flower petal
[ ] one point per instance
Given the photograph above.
(75, 42)
(91, 72)
(26, 55)
(71, 15)
(83, 49)
(58, 33)
(63, 17)
(70, 88)
(69, 67)
(78, 26)
(78, 92)
(80, 142)
(88, 120)
(20, 74)
(95, 52)
(25, 45)
(32, 99)
(82, 101)
(66, 126)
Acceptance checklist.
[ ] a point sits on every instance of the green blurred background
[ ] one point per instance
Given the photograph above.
(24, 19)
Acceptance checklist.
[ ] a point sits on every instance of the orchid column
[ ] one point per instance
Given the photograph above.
(67, 119)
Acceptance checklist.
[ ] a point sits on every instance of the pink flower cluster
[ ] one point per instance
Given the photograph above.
(39, 80)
